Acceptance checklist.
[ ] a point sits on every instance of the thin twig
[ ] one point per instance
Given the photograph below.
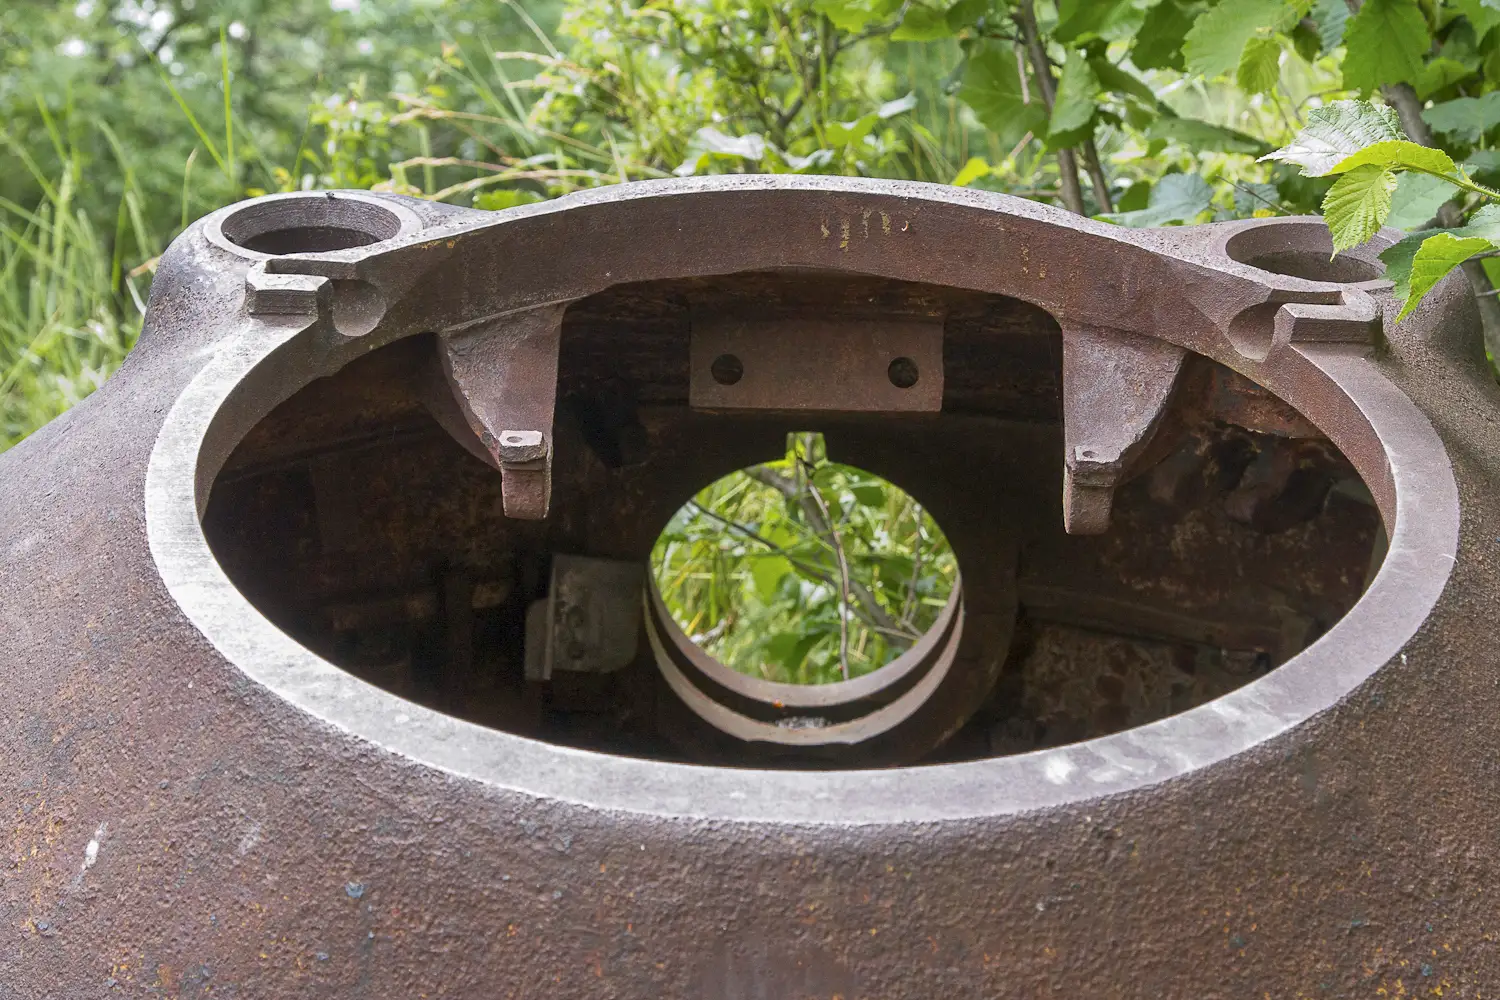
(874, 615)
(755, 536)
(1096, 176)
(838, 550)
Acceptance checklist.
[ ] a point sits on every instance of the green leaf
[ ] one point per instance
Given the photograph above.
(992, 89)
(1438, 255)
(856, 15)
(1465, 119)
(1439, 74)
(1330, 16)
(1213, 46)
(1398, 257)
(966, 12)
(1086, 17)
(1384, 43)
(1252, 198)
(497, 199)
(1482, 16)
(1201, 136)
(870, 496)
(768, 571)
(1158, 43)
(1484, 162)
(922, 24)
(1074, 105)
(1175, 198)
(1305, 41)
(1118, 81)
(1417, 199)
(1357, 205)
(1260, 66)
(844, 133)
(1135, 198)
(1398, 154)
(1336, 131)
(972, 171)
(709, 145)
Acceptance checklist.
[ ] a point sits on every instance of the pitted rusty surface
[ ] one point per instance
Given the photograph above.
(175, 828)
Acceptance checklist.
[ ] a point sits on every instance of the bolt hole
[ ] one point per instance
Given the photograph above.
(902, 373)
(727, 369)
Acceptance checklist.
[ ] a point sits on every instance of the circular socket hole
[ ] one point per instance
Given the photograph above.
(727, 369)
(315, 223)
(1302, 250)
(902, 373)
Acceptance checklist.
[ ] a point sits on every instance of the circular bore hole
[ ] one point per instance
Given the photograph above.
(902, 373)
(752, 568)
(313, 223)
(1302, 250)
(727, 369)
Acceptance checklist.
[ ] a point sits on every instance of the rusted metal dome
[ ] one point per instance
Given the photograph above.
(328, 666)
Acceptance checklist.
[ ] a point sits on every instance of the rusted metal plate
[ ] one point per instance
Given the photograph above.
(810, 363)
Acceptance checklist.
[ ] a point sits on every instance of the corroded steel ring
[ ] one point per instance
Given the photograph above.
(198, 802)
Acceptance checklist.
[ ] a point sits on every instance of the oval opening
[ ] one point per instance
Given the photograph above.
(354, 521)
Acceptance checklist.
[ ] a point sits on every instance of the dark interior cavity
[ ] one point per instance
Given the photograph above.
(307, 239)
(353, 521)
(313, 223)
(1303, 250)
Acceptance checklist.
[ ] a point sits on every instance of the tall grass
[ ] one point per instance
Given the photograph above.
(71, 297)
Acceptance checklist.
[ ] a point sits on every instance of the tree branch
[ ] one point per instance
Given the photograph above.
(874, 615)
(843, 560)
(1096, 176)
(1067, 163)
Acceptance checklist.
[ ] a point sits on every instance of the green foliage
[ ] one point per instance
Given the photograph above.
(1364, 144)
(992, 90)
(804, 571)
(1465, 119)
(167, 108)
(1074, 107)
(1176, 198)
(1336, 132)
(1216, 43)
(1439, 254)
(1385, 41)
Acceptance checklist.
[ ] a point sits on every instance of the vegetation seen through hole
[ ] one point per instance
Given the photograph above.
(753, 568)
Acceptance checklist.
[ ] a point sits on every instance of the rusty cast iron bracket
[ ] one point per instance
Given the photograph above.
(503, 373)
(1116, 386)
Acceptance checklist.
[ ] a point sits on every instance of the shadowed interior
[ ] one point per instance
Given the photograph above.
(357, 525)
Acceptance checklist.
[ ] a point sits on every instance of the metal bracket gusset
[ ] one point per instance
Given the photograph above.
(502, 372)
(1116, 386)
